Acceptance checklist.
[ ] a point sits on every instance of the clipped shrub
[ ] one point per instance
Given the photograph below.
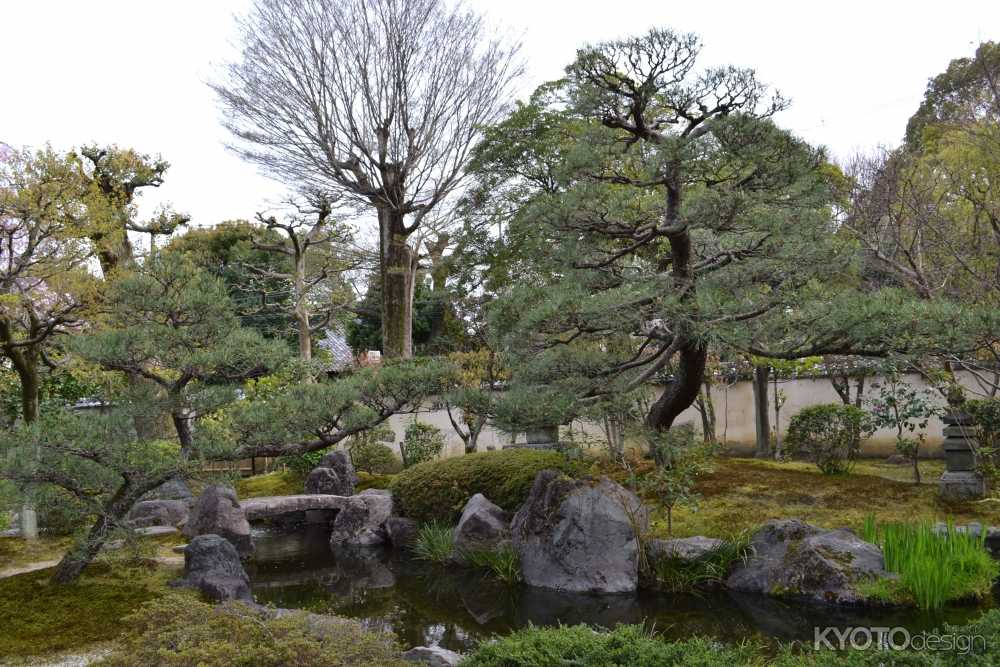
(179, 631)
(582, 646)
(829, 435)
(438, 490)
(421, 442)
(370, 454)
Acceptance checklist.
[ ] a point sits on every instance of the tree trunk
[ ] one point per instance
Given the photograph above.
(398, 265)
(680, 394)
(302, 309)
(185, 436)
(439, 284)
(25, 363)
(761, 416)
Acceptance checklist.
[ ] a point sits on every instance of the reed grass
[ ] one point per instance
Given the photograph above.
(502, 563)
(434, 542)
(934, 568)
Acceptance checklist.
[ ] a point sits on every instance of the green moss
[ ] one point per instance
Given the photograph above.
(369, 481)
(278, 483)
(16, 552)
(438, 490)
(42, 617)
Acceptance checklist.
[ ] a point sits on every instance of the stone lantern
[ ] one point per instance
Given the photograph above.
(960, 480)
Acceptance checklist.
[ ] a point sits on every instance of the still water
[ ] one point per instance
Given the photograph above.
(426, 604)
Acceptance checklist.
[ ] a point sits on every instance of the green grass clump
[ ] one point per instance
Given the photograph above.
(582, 646)
(434, 542)
(41, 617)
(675, 575)
(933, 568)
(502, 563)
(177, 631)
(438, 490)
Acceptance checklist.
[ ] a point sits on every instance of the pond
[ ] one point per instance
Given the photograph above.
(426, 604)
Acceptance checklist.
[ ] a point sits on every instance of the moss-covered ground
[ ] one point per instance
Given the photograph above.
(740, 494)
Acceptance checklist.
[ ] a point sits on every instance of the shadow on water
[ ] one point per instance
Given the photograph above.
(455, 608)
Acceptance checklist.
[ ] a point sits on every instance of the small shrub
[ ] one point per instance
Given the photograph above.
(421, 442)
(434, 542)
(502, 563)
(438, 490)
(178, 631)
(582, 646)
(683, 462)
(934, 568)
(829, 435)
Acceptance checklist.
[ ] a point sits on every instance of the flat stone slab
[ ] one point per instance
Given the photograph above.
(271, 506)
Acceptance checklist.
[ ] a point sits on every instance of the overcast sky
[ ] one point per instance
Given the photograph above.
(132, 72)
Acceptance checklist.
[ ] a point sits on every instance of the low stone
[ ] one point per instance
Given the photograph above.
(684, 549)
(155, 531)
(433, 656)
(579, 536)
(218, 512)
(402, 532)
(326, 481)
(483, 525)
(897, 460)
(793, 559)
(212, 565)
(158, 513)
(991, 541)
(361, 521)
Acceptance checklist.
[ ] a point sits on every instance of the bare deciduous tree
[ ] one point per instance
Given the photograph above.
(378, 100)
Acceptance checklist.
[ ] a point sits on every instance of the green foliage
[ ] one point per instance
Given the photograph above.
(528, 407)
(906, 410)
(421, 443)
(302, 464)
(682, 463)
(675, 575)
(934, 569)
(582, 646)
(829, 435)
(434, 542)
(501, 563)
(176, 631)
(985, 415)
(370, 454)
(438, 490)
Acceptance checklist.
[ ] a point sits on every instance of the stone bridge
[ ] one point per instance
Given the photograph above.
(268, 507)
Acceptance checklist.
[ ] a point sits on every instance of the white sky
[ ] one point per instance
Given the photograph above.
(132, 72)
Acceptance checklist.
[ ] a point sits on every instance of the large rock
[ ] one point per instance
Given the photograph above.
(579, 536)
(334, 476)
(796, 560)
(218, 512)
(158, 513)
(402, 532)
(212, 565)
(433, 656)
(361, 522)
(174, 489)
(684, 549)
(483, 526)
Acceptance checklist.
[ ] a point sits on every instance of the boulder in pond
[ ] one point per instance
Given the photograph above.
(790, 558)
(212, 565)
(158, 513)
(579, 535)
(402, 532)
(433, 656)
(482, 527)
(361, 521)
(218, 512)
(334, 475)
(684, 549)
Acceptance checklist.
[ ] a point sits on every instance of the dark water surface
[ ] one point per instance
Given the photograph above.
(428, 604)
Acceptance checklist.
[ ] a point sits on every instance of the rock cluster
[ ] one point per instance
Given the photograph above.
(212, 565)
(334, 476)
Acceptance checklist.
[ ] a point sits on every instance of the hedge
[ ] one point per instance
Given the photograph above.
(438, 490)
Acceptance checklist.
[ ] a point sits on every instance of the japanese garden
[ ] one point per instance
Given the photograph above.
(613, 368)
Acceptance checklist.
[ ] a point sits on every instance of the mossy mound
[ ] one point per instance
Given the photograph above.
(438, 490)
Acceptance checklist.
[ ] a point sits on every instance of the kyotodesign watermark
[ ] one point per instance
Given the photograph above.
(895, 639)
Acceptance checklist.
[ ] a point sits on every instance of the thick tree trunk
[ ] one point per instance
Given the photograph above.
(761, 416)
(83, 552)
(25, 363)
(680, 394)
(439, 284)
(185, 436)
(398, 266)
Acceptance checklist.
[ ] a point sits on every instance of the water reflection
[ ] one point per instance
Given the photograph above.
(455, 608)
